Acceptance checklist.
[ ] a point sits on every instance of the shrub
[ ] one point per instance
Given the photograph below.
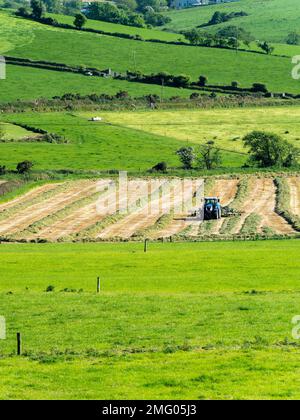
(24, 167)
(202, 81)
(259, 87)
(186, 156)
(160, 167)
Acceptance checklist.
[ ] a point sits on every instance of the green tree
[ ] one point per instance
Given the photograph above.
(186, 156)
(80, 21)
(143, 4)
(24, 167)
(128, 4)
(202, 81)
(269, 149)
(266, 47)
(293, 38)
(37, 9)
(209, 156)
(181, 81)
(239, 34)
(53, 6)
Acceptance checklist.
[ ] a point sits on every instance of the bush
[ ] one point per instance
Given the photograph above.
(24, 167)
(160, 167)
(259, 87)
(202, 81)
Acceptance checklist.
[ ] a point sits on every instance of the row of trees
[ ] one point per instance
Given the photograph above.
(266, 150)
(128, 12)
(228, 37)
(207, 156)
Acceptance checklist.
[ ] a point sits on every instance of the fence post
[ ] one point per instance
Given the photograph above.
(19, 344)
(146, 245)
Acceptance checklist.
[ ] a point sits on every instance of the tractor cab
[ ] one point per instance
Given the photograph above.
(212, 208)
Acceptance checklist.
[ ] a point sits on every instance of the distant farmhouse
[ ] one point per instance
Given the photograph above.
(181, 4)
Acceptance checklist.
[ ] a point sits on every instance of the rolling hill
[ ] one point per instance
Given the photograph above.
(270, 20)
(86, 49)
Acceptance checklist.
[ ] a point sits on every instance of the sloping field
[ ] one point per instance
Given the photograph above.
(271, 20)
(97, 210)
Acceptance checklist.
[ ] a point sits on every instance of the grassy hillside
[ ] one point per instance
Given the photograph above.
(28, 83)
(145, 33)
(95, 146)
(129, 140)
(225, 127)
(221, 66)
(269, 20)
(167, 324)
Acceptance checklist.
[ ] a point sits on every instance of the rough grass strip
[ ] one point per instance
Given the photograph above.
(161, 223)
(283, 200)
(251, 224)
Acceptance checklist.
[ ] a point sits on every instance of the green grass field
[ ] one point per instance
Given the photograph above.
(129, 140)
(27, 83)
(270, 20)
(226, 127)
(99, 146)
(145, 33)
(182, 321)
(221, 66)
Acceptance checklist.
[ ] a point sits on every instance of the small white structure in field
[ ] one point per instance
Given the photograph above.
(96, 119)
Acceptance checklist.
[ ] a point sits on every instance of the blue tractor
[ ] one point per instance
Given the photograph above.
(212, 208)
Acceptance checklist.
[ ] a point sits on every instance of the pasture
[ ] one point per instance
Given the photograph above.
(220, 66)
(209, 320)
(226, 127)
(270, 20)
(102, 146)
(128, 140)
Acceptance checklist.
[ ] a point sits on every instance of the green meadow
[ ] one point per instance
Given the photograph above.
(221, 66)
(102, 146)
(26, 83)
(80, 48)
(226, 127)
(270, 20)
(145, 33)
(206, 320)
(136, 141)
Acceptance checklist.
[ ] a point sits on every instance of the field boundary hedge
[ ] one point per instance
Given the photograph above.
(152, 79)
(52, 22)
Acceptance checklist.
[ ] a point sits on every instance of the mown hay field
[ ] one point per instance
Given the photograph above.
(71, 211)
